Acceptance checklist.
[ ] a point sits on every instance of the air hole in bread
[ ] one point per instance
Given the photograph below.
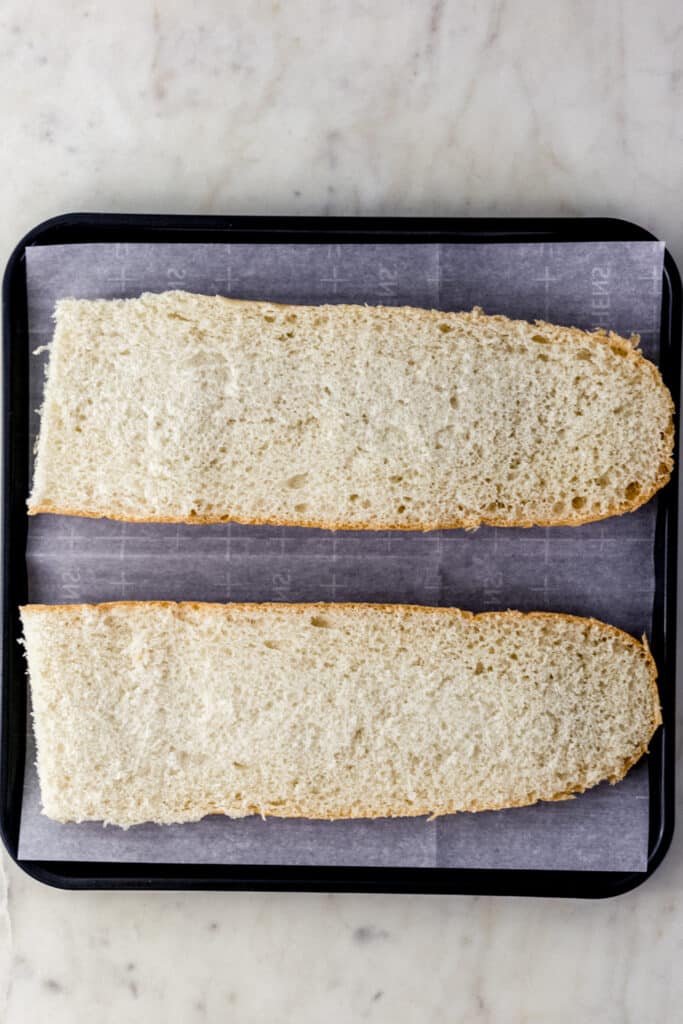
(578, 502)
(320, 622)
(395, 479)
(401, 508)
(632, 491)
(453, 401)
(540, 339)
(297, 481)
(585, 355)
(479, 668)
(558, 507)
(272, 645)
(301, 507)
(445, 328)
(269, 318)
(442, 436)
(663, 469)
(353, 497)
(543, 357)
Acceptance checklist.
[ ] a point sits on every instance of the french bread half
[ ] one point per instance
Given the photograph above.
(168, 712)
(180, 407)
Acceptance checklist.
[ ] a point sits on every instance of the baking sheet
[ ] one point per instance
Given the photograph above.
(603, 569)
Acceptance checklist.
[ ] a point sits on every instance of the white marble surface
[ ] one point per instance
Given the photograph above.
(389, 106)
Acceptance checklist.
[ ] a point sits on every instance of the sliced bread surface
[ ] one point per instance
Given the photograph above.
(181, 407)
(168, 712)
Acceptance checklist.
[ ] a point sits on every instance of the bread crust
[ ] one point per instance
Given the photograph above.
(294, 810)
(626, 348)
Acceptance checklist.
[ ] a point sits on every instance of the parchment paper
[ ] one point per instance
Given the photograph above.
(604, 569)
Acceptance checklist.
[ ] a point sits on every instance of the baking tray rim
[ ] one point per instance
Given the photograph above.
(74, 228)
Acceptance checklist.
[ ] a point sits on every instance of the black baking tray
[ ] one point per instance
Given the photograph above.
(90, 227)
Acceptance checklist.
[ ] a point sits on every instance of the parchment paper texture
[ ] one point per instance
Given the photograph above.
(604, 569)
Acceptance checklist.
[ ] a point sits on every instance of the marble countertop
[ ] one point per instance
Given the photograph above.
(387, 107)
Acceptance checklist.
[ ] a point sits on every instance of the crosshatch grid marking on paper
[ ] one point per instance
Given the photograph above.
(479, 570)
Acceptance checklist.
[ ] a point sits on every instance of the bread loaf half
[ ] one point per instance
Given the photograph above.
(168, 712)
(179, 407)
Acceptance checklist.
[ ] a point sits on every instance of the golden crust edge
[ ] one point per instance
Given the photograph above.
(341, 524)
